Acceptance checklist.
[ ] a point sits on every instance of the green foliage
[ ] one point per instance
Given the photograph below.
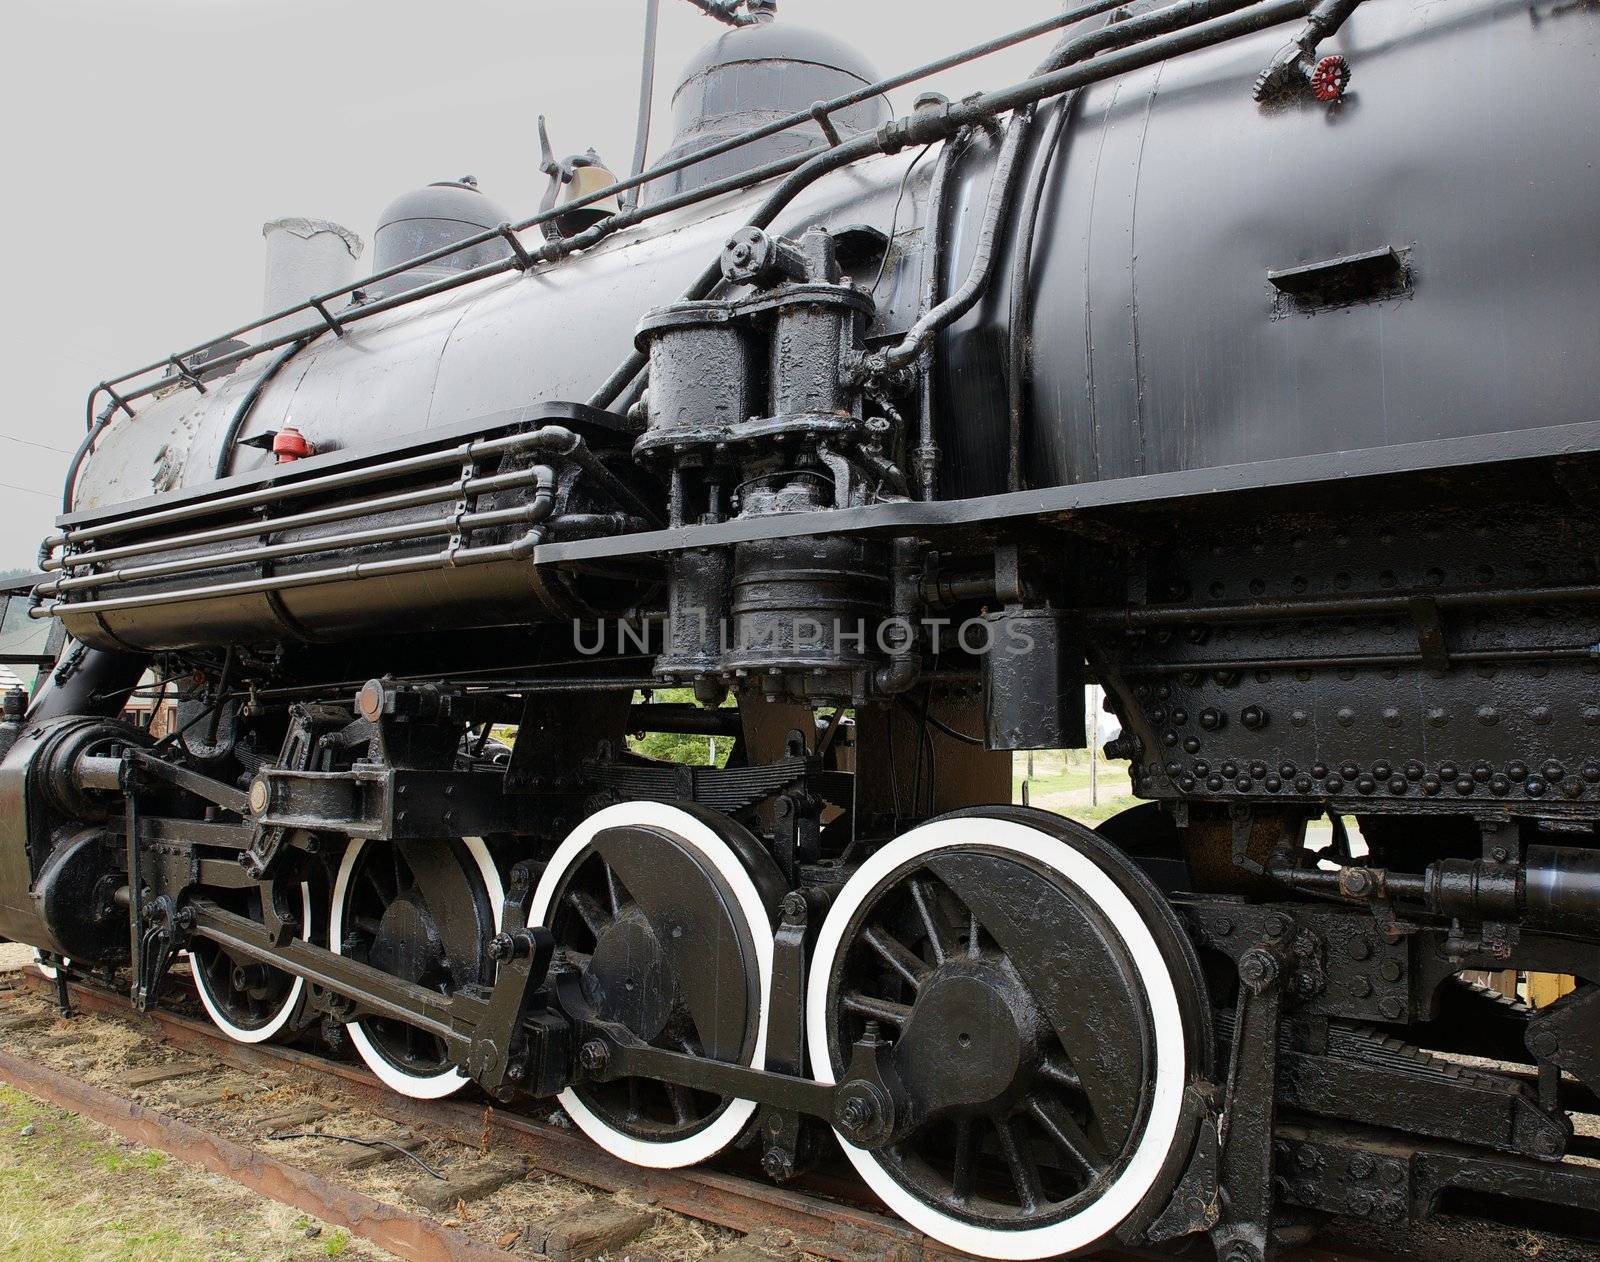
(696, 751)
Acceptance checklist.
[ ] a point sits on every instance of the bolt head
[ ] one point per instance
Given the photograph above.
(594, 1056)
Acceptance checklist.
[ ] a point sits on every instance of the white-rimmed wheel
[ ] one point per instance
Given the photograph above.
(1046, 1013)
(666, 911)
(41, 961)
(248, 1001)
(423, 911)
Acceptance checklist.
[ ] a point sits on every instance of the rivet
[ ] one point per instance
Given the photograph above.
(1173, 768)
(1229, 769)
(1214, 783)
(1465, 787)
(1186, 783)
(1345, 716)
(1398, 785)
(1414, 770)
(1318, 770)
(1517, 769)
(1381, 769)
(1286, 770)
(1447, 771)
(1258, 770)
(1253, 717)
(1430, 785)
(1201, 766)
(1553, 771)
(1535, 787)
(1392, 970)
(1365, 784)
(1302, 784)
(1488, 715)
(1391, 717)
(1392, 1008)
(1169, 738)
(1332, 785)
(1541, 716)
(1360, 987)
(1297, 718)
(1180, 716)
(1481, 771)
(1349, 770)
(1591, 771)
(1243, 784)
(1191, 745)
(1273, 784)
(1212, 719)
(1437, 717)
(1358, 948)
(1499, 785)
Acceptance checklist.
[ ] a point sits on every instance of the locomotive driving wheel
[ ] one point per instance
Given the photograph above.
(666, 911)
(423, 911)
(248, 1001)
(1046, 1012)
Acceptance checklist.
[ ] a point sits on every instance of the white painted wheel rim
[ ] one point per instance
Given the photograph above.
(1100, 1217)
(418, 1086)
(723, 1129)
(244, 1034)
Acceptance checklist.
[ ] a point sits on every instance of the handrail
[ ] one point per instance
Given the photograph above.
(525, 258)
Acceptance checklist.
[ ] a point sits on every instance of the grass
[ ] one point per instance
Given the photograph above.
(1061, 783)
(71, 1191)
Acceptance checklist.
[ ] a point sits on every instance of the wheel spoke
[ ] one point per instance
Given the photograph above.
(1065, 1133)
(682, 1102)
(877, 1009)
(1055, 1068)
(896, 955)
(589, 911)
(1024, 1173)
(972, 935)
(961, 1177)
(923, 898)
(612, 889)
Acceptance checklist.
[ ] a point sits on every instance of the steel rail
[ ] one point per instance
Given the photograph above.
(416, 1237)
(799, 118)
(833, 1228)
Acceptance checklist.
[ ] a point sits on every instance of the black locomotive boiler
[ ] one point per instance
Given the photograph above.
(1243, 360)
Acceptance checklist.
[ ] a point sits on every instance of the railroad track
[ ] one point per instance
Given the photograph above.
(440, 1181)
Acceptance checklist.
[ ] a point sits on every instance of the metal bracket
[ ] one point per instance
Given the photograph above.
(1244, 1231)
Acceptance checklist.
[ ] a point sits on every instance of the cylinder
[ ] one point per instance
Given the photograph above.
(699, 373)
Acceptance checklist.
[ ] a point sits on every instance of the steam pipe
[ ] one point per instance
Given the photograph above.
(460, 488)
(959, 303)
(926, 459)
(537, 510)
(247, 404)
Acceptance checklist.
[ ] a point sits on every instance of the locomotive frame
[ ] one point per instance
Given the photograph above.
(1225, 1032)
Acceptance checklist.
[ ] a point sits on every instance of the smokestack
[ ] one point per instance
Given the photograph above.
(304, 257)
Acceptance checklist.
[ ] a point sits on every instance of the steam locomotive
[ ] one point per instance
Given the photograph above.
(1242, 360)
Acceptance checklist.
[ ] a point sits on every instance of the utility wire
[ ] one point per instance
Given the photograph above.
(12, 438)
(27, 490)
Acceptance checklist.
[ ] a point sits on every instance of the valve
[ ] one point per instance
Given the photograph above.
(289, 444)
(1330, 78)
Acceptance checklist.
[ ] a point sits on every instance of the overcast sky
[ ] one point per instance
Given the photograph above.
(146, 141)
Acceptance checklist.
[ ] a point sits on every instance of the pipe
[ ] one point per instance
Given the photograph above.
(1268, 611)
(247, 404)
(647, 82)
(926, 459)
(910, 347)
(451, 558)
(536, 511)
(461, 488)
(542, 439)
(905, 590)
